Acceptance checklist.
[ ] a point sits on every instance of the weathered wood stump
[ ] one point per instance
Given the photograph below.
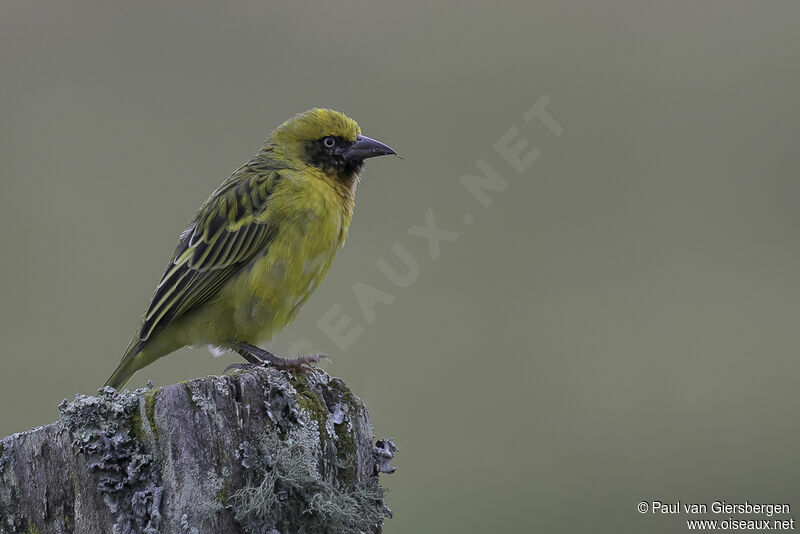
(262, 451)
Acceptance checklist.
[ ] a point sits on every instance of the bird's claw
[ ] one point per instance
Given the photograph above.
(261, 358)
(301, 363)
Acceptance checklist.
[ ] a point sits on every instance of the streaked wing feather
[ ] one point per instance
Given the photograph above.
(226, 234)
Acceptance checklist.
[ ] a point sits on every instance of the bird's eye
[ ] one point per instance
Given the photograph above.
(329, 142)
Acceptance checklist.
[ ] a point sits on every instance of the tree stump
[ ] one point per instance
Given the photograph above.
(262, 451)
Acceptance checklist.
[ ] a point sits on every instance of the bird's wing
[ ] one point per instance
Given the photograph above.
(227, 232)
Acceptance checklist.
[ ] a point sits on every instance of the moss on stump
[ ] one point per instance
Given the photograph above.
(262, 451)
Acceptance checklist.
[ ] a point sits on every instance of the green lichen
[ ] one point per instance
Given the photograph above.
(150, 410)
(313, 405)
(67, 522)
(353, 402)
(311, 402)
(32, 528)
(345, 456)
(137, 429)
(222, 494)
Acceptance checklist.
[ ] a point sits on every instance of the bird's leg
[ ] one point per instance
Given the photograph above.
(252, 360)
(260, 357)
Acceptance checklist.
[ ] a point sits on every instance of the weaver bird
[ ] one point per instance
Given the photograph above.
(259, 246)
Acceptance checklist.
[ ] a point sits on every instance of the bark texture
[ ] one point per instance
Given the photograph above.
(262, 451)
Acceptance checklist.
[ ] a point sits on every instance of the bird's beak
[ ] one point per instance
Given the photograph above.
(364, 148)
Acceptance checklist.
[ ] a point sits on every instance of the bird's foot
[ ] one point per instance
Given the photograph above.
(259, 357)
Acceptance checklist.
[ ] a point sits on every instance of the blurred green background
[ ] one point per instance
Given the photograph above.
(620, 324)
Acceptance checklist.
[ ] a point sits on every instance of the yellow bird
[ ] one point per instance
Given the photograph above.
(259, 246)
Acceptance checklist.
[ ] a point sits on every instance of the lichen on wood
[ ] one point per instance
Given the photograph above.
(262, 451)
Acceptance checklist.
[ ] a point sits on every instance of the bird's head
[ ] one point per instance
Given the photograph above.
(326, 139)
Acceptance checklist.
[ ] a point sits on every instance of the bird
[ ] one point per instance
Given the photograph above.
(258, 246)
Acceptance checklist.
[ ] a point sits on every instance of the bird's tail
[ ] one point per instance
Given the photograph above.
(138, 355)
(141, 354)
(132, 361)
(121, 375)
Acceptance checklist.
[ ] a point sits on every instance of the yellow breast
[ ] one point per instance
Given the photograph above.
(312, 223)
